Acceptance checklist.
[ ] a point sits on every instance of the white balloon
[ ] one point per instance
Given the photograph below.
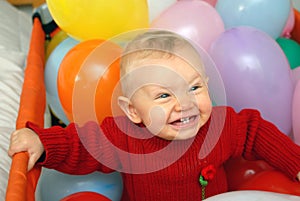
(156, 7)
(253, 195)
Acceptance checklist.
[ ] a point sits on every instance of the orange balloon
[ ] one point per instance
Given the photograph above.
(87, 78)
(108, 87)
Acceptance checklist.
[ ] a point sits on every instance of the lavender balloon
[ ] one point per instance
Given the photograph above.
(255, 72)
(296, 113)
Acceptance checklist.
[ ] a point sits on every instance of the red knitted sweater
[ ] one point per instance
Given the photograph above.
(156, 169)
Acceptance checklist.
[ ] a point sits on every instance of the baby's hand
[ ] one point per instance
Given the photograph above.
(298, 176)
(26, 140)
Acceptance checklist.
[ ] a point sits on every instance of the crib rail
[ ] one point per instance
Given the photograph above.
(22, 184)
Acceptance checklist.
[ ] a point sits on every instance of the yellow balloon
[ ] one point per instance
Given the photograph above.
(98, 19)
(55, 41)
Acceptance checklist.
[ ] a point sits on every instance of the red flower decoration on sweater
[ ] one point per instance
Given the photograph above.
(208, 172)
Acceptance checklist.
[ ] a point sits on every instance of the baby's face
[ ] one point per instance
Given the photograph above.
(170, 97)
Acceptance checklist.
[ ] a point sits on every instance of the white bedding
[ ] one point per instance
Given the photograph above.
(15, 32)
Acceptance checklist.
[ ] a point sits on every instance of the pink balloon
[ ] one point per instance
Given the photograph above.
(296, 114)
(286, 32)
(295, 75)
(195, 20)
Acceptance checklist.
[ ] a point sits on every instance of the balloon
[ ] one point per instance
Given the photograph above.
(239, 171)
(256, 74)
(216, 87)
(296, 30)
(55, 41)
(251, 195)
(296, 4)
(291, 50)
(156, 7)
(296, 113)
(289, 25)
(84, 196)
(295, 75)
(264, 15)
(98, 19)
(54, 185)
(100, 69)
(273, 181)
(51, 71)
(211, 2)
(195, 20)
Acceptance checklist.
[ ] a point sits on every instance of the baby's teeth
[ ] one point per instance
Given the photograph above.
(185, 120)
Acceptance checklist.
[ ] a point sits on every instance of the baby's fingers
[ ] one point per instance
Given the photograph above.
(20, 141)
(16, 147)
(32, 160)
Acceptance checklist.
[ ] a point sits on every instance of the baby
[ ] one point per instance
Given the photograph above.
(171, 143)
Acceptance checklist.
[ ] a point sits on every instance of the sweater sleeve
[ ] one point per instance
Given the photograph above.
(74, 149)
(265, 141)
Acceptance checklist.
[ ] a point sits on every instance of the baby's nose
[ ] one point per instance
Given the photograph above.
(184, 102)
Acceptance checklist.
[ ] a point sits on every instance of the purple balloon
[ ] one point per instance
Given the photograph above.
(256, 74)
(296, 113)
(295, 75)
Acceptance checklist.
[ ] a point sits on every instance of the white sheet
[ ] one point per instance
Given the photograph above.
(15, 32)
(11, 80)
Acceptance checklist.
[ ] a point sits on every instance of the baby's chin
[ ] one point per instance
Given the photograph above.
(179, 135)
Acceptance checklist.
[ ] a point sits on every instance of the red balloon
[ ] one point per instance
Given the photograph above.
(240, 171)
(274, 181)
(84, 196)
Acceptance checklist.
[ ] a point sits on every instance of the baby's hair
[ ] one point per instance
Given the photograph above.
(154, 44)
(158, 44)
(160, 40)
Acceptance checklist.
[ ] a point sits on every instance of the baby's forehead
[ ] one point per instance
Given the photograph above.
(155, 66)
(161, 57)
(163, 72)
(157, 77)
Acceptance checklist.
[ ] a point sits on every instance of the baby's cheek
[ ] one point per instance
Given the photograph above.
(205, 104)
(157, 120)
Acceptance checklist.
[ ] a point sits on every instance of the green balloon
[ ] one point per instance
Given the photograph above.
(291, 50)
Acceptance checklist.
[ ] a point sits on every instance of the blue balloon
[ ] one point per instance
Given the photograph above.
(51, 71)
(266, 15)
(54, 185)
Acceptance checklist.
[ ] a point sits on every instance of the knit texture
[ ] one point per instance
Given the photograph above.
(156, 169)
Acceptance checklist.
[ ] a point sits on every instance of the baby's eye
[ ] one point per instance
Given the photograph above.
(194, 88)
(163, 96)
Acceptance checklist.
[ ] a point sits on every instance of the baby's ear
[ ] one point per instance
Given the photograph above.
(130, 111)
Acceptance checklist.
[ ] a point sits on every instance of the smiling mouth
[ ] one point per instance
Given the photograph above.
(184, 122)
